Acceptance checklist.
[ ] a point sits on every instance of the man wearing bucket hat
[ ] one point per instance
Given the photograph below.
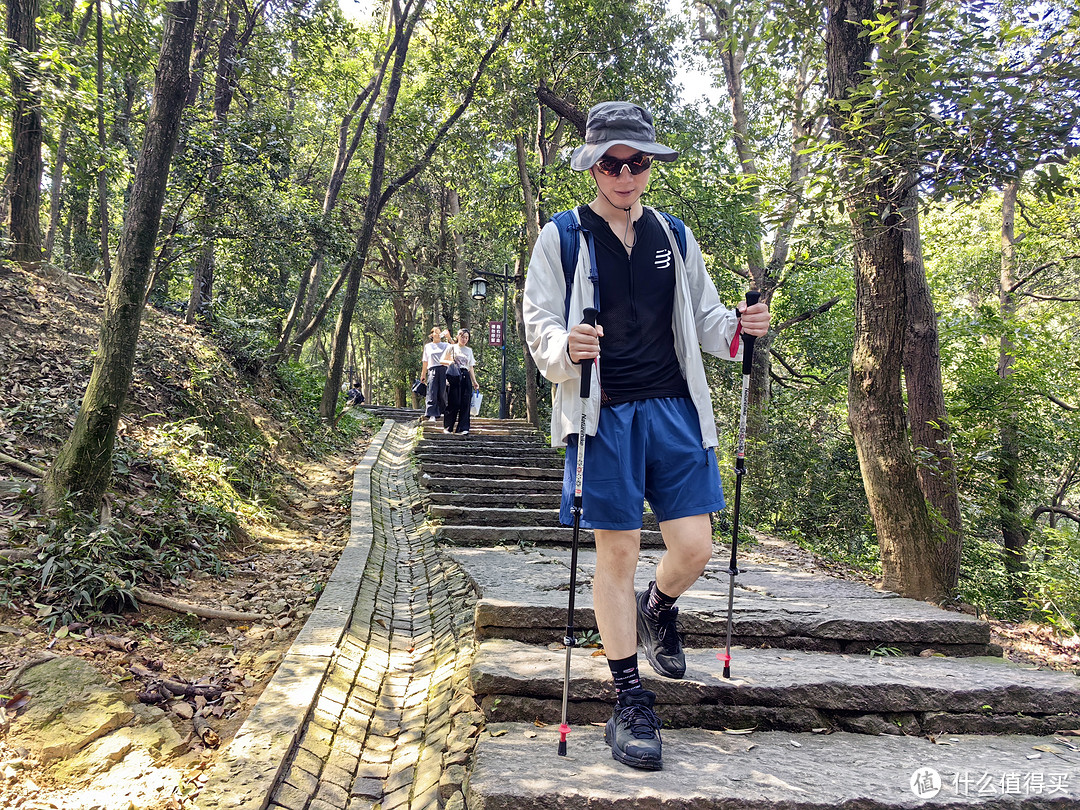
(649, 422)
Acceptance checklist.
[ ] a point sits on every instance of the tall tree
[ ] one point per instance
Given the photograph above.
(59, 164)
(1009, 494)
(874, 193)
(762, 50)
(24, 184)
(230, 52)
(931, 431)
(102, 179)
(84, 463)
(379, 194)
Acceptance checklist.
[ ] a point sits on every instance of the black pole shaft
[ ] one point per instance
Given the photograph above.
(504, 410)
(579, 473)
(752, 297)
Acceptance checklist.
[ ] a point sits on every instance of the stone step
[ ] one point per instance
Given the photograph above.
(485, 471)
(523, 455)
(486, 515)
(509, 500)
(523, 597)
(481, 434)
(456, 535)
(456, 483)
(789, 690)
(392, 412)
(517, 768)
(527, 458)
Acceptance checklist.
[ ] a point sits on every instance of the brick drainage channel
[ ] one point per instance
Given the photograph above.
(393, 723)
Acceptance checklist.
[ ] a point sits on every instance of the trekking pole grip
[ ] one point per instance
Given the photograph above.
(752, 297)
(588, 316)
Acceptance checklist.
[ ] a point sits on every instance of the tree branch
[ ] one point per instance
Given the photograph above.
(478, 74)
(1038, 297)
(1045, 266)
(562, 108)
(22, 465)
(1059, 402)
(149, 598)
(808, 314)
(1071, 514)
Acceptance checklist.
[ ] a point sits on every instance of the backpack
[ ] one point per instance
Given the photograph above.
(569, 225)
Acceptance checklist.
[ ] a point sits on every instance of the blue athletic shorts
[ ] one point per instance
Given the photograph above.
(648, 449)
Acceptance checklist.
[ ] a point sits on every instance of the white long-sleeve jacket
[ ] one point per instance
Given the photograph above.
(700, 323)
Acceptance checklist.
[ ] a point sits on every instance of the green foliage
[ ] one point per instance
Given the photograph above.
(882, 651)
(84, 571)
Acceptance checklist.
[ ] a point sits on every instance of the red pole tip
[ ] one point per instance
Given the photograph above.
(727, 672)
(564, 729)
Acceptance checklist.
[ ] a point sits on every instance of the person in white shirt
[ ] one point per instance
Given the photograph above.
(459, 363)
(434, 373)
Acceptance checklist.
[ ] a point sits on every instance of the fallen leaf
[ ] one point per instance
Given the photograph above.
(497, 732)
(530, 734)
(796, 744)
(740, 730)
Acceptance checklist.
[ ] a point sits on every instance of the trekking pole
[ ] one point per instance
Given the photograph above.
(589, 317)
(752, 297)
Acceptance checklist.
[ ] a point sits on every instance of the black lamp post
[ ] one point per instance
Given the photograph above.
(478, 290)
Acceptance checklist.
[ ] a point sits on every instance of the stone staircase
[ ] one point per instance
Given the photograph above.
(840, 696)
(498, 485)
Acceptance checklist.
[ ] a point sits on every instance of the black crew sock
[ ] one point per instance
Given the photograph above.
(625, 674)
(658, 600)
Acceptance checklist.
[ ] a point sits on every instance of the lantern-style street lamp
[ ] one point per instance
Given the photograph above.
(478, 290)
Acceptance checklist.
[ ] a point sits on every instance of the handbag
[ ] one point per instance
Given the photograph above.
(449, 359)
(420, 388)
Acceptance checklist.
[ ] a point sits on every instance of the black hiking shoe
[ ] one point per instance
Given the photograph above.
(633, 732)
(660, 637)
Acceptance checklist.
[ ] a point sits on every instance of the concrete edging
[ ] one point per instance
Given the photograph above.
(245, 774)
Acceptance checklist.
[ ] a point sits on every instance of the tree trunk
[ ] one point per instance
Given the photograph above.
(102, 180)
(202, 280)
(84, 462)
(461, 272)
(328, 404)
(378, 196)
(930, 429)
(532, 233)
(1013, 533)
(24, 184)
(82, 246)
(56, 188)
(303, 307)
(875, 400)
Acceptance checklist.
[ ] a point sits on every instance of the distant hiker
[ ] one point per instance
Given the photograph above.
(458, 360)
(651, 432)
(434, 373)
(356, 396)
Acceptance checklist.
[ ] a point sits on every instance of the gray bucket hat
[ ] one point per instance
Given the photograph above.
(618, 122)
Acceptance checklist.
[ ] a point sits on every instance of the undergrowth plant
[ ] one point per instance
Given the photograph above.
(81, 570)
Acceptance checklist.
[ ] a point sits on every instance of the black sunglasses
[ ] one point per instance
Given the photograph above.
(613, 167)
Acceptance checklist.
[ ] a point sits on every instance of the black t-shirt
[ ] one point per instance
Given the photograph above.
(637, 299)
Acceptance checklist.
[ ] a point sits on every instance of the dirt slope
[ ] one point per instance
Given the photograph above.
(187, 404)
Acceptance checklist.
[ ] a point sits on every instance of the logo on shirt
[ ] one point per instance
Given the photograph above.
(664, 259)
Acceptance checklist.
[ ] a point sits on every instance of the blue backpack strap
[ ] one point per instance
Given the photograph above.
(569, 245)
(678, 227)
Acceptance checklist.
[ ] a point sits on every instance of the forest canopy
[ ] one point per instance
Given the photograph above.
(315, 185)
